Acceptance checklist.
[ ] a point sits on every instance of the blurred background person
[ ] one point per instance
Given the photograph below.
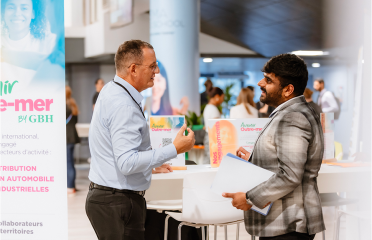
(160, 96)
(326, 100)
(204, 95)
(308, 97)
(252, 88)
(211, 111)
(99, 85)
(245, 107)
(264, 110)
(72, 138)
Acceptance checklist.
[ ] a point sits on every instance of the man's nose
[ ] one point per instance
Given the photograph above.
(157, 70)
(261, 83)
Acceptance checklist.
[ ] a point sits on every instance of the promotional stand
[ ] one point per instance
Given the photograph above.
(33, 121)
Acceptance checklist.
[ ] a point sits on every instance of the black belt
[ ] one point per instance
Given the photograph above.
(114, 190)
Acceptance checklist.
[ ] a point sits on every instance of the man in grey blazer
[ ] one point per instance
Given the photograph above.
(290, 145)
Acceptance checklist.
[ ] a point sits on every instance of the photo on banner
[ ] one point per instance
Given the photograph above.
(33, 180)
(161, 104)
(32, 44)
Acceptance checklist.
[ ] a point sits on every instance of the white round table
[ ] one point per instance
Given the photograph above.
(168, 186)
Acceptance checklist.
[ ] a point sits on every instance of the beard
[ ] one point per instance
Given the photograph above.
(271, 99)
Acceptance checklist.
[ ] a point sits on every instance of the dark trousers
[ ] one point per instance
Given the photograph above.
(71, 172)
(291, 236)
(116, 216)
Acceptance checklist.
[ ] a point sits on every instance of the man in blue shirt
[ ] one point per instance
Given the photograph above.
(119, 139)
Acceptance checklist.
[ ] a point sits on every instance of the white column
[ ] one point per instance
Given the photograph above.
(174, 33)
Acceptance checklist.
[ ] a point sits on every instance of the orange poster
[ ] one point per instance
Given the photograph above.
(227, 135)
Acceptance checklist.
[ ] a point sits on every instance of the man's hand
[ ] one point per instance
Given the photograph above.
(184, 143)
(238, 200)
(242, 153)
(165, 168)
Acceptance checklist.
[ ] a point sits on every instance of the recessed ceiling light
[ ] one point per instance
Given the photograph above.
(315, 65)
(208, 60)
(310, 53)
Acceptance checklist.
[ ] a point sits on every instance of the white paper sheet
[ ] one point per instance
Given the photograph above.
(237, 175)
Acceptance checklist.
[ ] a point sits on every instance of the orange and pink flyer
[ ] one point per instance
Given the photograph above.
(227, 135)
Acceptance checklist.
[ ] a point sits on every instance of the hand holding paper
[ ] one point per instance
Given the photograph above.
(238, 176)
(238, 200)
(242, 153)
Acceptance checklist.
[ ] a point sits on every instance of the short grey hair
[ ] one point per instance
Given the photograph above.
(130, 52)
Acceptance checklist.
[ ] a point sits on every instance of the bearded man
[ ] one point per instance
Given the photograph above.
(290, 145)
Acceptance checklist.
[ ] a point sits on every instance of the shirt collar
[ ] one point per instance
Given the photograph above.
(135, 94)
(281, 105)
(323, 91)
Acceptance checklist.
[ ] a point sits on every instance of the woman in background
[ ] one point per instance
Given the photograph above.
(216, 97)
(245, 107)
(72, 138)
(160, 96)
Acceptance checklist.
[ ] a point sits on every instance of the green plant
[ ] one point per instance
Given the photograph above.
(193, 119)
(228, 94)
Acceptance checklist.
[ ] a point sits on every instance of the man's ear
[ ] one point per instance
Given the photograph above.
(288, 90)
(133, 69)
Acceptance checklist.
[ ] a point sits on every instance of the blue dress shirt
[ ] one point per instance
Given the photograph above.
(119, 141)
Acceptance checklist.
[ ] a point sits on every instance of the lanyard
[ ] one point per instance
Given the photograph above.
(131, 97)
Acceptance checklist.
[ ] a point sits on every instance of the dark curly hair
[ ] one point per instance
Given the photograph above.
(290, 69)
(37, 25)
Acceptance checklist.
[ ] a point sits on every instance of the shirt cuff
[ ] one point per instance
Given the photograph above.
(170, 151)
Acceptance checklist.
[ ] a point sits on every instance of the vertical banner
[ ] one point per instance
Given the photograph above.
(32, 120)
(174, 34)
(357, 111)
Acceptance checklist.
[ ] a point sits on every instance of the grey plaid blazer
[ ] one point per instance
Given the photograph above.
(291, 145)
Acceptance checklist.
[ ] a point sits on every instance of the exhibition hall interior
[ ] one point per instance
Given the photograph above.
(232, 40)
(215, 67)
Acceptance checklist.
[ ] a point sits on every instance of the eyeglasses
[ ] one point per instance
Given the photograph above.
(152, 67)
